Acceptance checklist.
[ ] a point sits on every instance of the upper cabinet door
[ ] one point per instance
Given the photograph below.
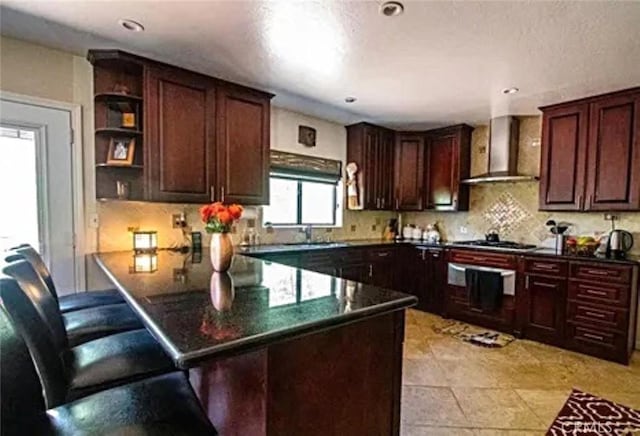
(448, 161)
(370, 159)
(243, 127)
(179, 136)
(563, 157)
(409, 171)
(386, 169)
(613, 172)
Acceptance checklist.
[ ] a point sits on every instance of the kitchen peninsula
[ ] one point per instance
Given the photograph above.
(273, 349)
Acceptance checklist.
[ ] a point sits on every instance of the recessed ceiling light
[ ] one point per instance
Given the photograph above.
(391, 9)
(131, 25)
(511, 90)
(350, 99)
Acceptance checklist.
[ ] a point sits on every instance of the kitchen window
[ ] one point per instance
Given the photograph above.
(300, 201)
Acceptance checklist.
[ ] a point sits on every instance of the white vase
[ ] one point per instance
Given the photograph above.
(221, 250)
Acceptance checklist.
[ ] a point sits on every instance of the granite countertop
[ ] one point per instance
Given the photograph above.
(197, 315)
(541, 251)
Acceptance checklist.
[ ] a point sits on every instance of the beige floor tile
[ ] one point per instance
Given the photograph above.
(423, 372)
(526, 383)
(538, 376)
(547, 354)
(467, 373)
(420, 430)
(417, 349)
(545, 403)
(431, 406)
(496, 408)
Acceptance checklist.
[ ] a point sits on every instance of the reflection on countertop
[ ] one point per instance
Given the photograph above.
(196, 314)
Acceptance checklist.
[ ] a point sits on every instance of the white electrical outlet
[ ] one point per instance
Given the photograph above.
(464, 230)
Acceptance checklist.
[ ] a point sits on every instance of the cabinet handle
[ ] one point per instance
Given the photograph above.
(597, 273)
(436, 255)
(212, 193)
(544, 266)
(594, 314)
(595, 292)
(424, 256)
(397, 204)
(526, 282)
(382, 202)
(545, 285)
(370, 270)
(378, 203)
(591, 336)
(383, 254)
(222, 194)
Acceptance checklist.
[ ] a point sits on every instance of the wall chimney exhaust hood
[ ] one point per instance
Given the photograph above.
(503, 153)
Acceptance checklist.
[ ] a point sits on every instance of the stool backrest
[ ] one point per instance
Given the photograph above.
(28, 323)
(33, 285)
(37, 262)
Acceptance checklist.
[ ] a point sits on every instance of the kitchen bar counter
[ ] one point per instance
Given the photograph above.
(196, 316)
(270, 348)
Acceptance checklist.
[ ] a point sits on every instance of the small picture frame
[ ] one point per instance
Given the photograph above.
(121, 151)
(307, 136)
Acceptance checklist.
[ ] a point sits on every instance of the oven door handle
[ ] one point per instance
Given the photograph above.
(463, 267)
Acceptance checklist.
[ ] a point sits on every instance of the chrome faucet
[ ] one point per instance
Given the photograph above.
(308, 233)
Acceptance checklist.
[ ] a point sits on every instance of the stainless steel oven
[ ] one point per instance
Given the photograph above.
(456, 276)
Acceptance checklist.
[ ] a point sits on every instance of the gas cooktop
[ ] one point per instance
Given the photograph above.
(499, 245)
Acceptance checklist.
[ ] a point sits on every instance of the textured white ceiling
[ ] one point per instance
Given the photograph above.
(439, 63)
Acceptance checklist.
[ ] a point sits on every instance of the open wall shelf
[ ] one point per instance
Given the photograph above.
(118, 103)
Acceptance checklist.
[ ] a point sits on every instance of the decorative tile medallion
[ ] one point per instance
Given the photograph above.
(506, 214)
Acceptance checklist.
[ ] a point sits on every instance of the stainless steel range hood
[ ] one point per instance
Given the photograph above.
(503, 153)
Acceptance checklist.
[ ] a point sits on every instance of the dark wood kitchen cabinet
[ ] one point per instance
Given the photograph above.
(424, 275)
(371, 148)
(590, 157)
(198, 138)
(242, 127)
(409, 171)
(448, 161)
(545, 295)
(563, 157)
(180, 131)
(613, 163)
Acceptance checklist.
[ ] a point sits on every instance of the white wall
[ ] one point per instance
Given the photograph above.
(43, 72)
(331, 138)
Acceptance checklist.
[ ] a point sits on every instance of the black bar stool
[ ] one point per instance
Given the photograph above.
(77, 371)
(71, 302)
(161, 405)
(86, 324)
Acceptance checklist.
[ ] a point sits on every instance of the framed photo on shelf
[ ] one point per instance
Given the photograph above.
(121, 151)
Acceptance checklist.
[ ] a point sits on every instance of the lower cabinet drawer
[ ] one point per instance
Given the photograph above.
(599, 293)
(598, 316)
(597, 342)
(593, 336)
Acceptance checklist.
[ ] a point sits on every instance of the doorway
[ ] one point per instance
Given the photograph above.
(37, 186)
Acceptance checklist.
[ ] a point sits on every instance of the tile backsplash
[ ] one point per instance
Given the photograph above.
(117, 217)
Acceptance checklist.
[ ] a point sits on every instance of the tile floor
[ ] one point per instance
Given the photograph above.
(454, 388)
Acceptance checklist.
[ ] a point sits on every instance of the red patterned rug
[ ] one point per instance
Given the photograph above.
(584, 415)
